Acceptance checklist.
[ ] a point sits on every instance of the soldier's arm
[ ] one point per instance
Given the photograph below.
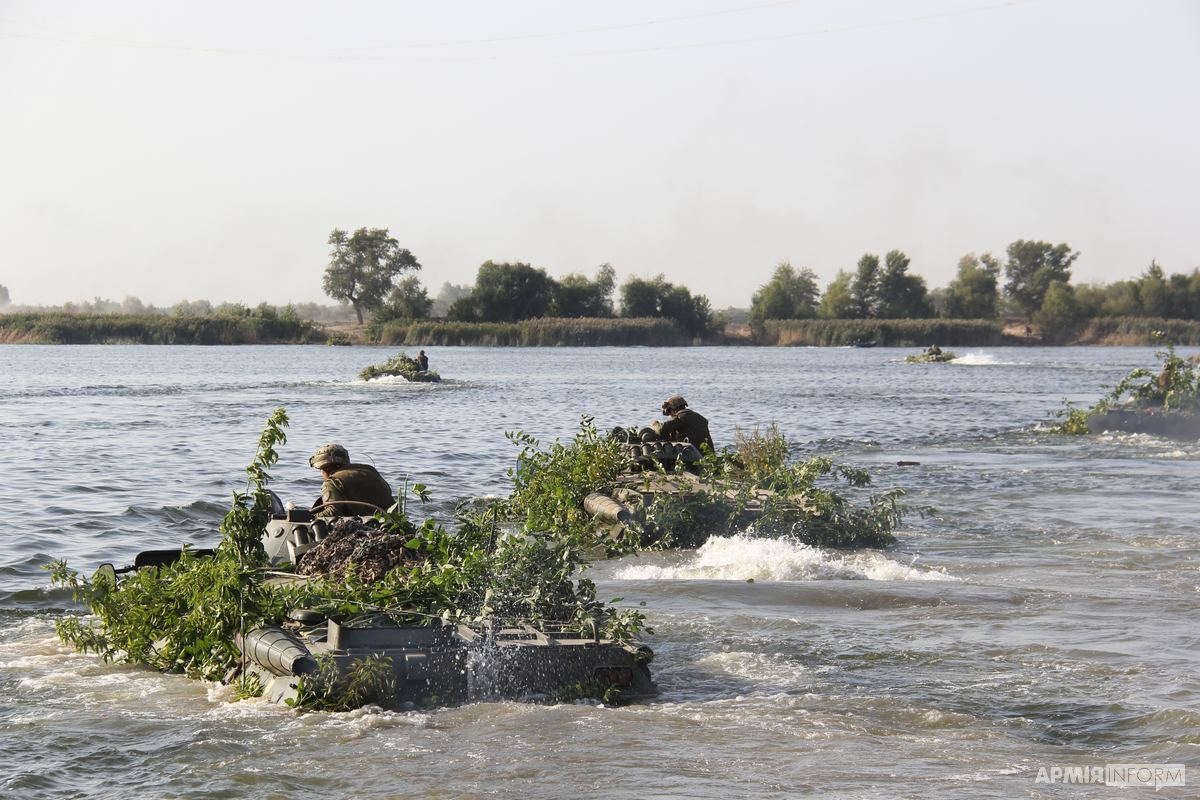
(671, 427)
(332, 491)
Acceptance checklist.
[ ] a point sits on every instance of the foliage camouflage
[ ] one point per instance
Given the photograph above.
(400, 365)
(183, 617)
(550, 484)
(930, 358)
(1175, 387)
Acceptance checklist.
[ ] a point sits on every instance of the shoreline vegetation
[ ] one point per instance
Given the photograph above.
(254, 327)
(259, 326)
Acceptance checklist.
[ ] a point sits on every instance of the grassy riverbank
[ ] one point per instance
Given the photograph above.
(254, 327)
(69, 328)
(1138, 331)
(886, 332)
(544, 332)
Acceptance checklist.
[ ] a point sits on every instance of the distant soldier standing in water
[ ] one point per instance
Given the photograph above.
(360, 483)
(684, 424)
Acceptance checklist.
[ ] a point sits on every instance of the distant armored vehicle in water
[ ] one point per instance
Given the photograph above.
(402, 366)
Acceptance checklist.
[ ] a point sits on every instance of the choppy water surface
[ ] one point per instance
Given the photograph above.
(1045, 616)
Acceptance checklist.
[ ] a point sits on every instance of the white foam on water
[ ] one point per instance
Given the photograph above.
(743, 558)
(765, 669)
(1158, 446)
(396, 380)
(979, 359)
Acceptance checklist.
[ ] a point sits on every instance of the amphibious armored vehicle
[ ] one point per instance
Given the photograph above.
(436, 664)
(931, 358)
(658, 469)
(401, 366)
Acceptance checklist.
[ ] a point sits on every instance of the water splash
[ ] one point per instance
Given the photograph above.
(980, 359)
(742, 558)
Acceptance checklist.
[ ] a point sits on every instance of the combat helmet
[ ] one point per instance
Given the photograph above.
(329, 455)
(673, 403)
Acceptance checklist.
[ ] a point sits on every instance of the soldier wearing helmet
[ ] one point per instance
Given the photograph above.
(684, 424)
(360, 483)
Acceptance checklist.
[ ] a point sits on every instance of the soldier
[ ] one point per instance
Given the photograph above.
(344, 481)
(684, 424)
(422, 362)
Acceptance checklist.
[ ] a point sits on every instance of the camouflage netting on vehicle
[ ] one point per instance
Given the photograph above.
(357, 547)
(400, 365)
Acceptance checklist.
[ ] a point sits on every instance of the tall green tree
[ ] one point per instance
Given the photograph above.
(1032, 267)
(789, 294)
(363, 267)
(864, 289)
(838, 300)
(1153, 296)
(639, 297)
(901, 295)
(408, 300)
(1059, 312)
(506, 292)
(660, 298)
(1193, 294)
(446, 296)
(974, 293)
(577, 296)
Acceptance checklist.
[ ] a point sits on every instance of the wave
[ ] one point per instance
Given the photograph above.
(743, 558)
(1159, 447)
(981, 359)
(399, 380)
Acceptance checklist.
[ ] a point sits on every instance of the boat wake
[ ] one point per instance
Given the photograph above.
(742, 558)
(983, 360)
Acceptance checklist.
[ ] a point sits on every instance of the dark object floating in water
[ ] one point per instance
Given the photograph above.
(908, 463)
(1168, 424)
(402, 366)
(931, 358)
(862, 343)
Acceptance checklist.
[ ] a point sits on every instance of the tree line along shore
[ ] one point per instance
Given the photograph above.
(879, 302)
(90, 328)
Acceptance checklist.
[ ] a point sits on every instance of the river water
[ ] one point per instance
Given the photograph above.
(1045, 616)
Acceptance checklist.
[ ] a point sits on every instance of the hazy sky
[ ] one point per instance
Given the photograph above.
(176, 150)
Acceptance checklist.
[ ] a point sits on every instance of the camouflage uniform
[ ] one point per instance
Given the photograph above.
(688, 426)
(359, 482)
